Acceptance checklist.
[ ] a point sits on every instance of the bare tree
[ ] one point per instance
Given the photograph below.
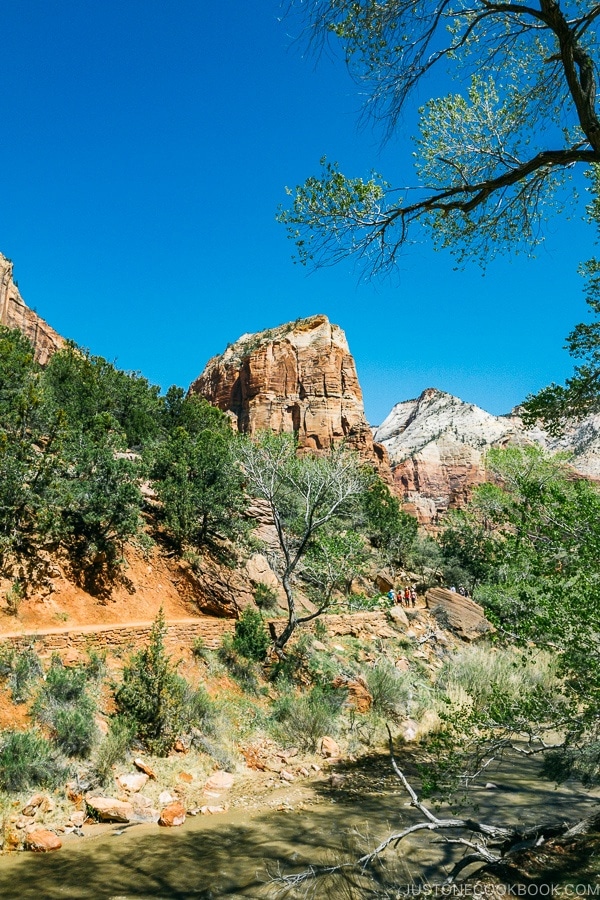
(305, 494)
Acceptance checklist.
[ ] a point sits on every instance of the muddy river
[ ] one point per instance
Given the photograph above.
(237, 853)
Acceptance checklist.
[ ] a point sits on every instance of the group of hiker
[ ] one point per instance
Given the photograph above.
(405, 596)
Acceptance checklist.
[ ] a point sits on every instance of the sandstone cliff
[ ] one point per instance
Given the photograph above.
(14, 313)
(437, 445)
(298, 378)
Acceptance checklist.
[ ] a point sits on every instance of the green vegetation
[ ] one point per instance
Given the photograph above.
(489, 163)
(151, 695)
(28, 760)
(530, 543)
(69, 481)
(251, 638)
(66, 707)
(314, 502)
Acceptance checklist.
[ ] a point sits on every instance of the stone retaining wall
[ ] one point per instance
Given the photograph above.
(123, 637)
(127, 638)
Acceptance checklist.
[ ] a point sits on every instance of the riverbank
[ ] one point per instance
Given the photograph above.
(240, 852)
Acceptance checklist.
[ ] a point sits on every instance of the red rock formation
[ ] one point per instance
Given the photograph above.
(296, 378)
(14, 313)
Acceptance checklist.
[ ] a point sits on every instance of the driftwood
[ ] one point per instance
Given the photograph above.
(490, 845)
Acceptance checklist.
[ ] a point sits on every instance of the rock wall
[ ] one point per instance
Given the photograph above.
(180, 635)
(14, 313)
(298, 378)
(437, 446)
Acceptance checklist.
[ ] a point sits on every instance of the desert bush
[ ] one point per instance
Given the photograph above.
(304, 720)
(251, 638)
(501, 681)
(198, 710)
(200, 651)
(13, 597)
(266, 598)
(295, 662)
(28, 760)
(217, 752)
(64, 705)
(73, 728)
(63, 685)
(95, 667)
(391, 691)
(113, 748)
(26, 668)
(151, 695)
(239, 667)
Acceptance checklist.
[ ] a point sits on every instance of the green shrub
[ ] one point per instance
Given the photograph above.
(200, 651)
(64, 685)
(73, 727)
(223, 758)
(500, 681)
(26, 668)
(151, 696)
(95, 668)
(239, 667)
(198, 710)
(113, 748)
(251, 638)
(28, 760)
(389, 689)
(304, 720)
(296, 660)
(13, 597)
(266, 598)
(64, 705)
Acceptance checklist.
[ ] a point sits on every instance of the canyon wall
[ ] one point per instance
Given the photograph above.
(298, 378)
(14, 313)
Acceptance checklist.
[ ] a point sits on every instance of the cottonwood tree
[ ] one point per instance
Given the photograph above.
(558, 405)
(307, 497)
(490, 157)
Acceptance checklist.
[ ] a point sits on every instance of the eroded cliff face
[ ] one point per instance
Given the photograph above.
(14, 313)
(437, 445)
(298, 378)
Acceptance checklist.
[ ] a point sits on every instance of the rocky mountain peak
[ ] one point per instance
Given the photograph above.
(297, 378)
(437, 445)
(14, 313)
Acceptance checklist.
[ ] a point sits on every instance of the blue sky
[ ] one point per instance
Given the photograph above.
(145, 149)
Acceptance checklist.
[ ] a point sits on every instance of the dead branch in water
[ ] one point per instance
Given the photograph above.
(480, 837)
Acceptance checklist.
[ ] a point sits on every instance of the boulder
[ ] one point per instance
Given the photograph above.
(109, 809)
(165, 798)
(33, 804)
(398, 616)
(42, 841)
(172, 815)
(461, 614)
(146, 814)
(384, 582)
(132, 783)
(77, 818)
(144, 767)
(359, 695)
(219, 781)
(329, 748)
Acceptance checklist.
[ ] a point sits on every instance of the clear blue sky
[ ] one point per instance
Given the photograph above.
(145, 148)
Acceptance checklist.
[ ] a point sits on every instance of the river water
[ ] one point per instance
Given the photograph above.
(237, 853)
